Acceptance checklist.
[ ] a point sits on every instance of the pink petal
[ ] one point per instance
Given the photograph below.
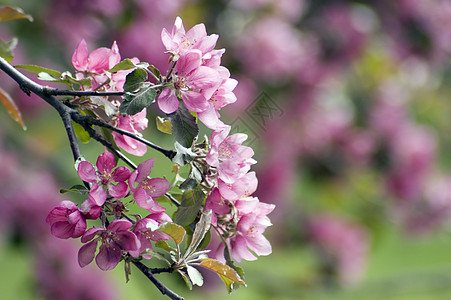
(127, 240)
(114, 56)
(144, 169)
(62, 230)
(178, 30)
(130, 145)
(97, 195)
(139, 120)
(259, 244)
(98, 60)
(210, 119)
(118, 191)
(157, 187)
(240, 251)
(207, 43)
(109, 256)
(86, 253)
(168, 101)
(80, 56)
(188, 62)
(90, 210)
(119, 225)
(121, 174)
(91, 233)
(167, 40)
(105, 162)
(142, 199)
(204, 78)
(87, 172)
(196, 33)
(194, 101)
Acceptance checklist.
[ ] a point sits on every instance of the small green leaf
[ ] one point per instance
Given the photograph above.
(186, 278)
(195, 276)
(184, 126)
(155, 254)
(227, 274)
(81, 133)
(44, 76)
(164, 245)
(11, 108)
(176, 232)
(202, 227)
(164, 125)
(6, 49)
(126, 64)
(78, 188)
(9, 13)
(39, 69)
(193, 180)
(134, 79)
(136, 102)
(155, 71)
(190, 206)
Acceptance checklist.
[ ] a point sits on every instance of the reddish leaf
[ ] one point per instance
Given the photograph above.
(9, 13)
(228, 275)
(11, 107)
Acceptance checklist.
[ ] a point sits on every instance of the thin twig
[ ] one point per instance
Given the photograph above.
(57, 92)
(163, 289)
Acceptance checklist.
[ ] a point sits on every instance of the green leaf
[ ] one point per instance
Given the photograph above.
(11, 108)
(78, 188)
(202, 227)
(183, 155)
(136, 102)
(195, 276)
(227, 274)
(176, 232)
(164, 125)
(186, 278)
(44, 76)
(126, 64)
(164, 245)
(39, 69)
(134, 79)
(193, 180)
(155, 254)
(6, 49)
(81, 133)
(155, 70)
(184, 126)
(9, 13)
(189, 207)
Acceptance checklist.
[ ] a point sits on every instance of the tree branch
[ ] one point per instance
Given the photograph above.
(57, 92)
(82, 119)
(163, 289)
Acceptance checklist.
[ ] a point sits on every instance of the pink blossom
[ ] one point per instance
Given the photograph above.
(113, 240)
(228, 155)
(145, 189)
(179, 41)
(66, 220)
(145, 230)
(252, 223)
(133, 124)
(193, 82)
(98, 61)
(104, 178)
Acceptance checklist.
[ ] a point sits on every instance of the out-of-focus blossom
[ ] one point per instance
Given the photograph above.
(344, 244)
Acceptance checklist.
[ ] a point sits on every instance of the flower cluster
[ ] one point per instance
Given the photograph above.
(199, 80)
(109, 185)
(96, 68)
(219, 186)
